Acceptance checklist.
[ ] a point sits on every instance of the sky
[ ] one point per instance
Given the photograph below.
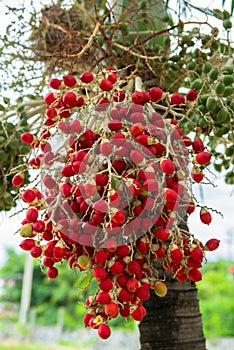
(221, 198)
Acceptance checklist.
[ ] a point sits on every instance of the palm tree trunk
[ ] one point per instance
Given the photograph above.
(173, 322)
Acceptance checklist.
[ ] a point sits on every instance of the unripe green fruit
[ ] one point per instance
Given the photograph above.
(218, 167)
(213, 74)
(227, 24)
(221, 116)
(231, 105)
(227, 70)
(204, 98)
(228, 91)
(191, 65)
(203, 109)
(3, 156)
(14, 144)
(228, 79)
(218, 13)
(219, 89)
(220, 131)
(206, 67)
(211, 104)
(202, 122)
(226, 14)
(197, 84)
(229, 151)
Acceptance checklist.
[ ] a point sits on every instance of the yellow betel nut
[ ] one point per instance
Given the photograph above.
(160, 289)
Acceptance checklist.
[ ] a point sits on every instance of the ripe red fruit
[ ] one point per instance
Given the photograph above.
(176, 254)
(170, 195)
(162, 234)
(111, 310)
(142, 245)
(118, 96)
(112, 78)
(47, 262)
(196, 253)
(49, 98)
(87, 77)
(100, 257)
(205, 216)
(118, 217)
(135, 269)
(167, 166)
(103, 298)
(18, 179)
(59, 250)
(106, 148)
(155, 94)
(125, 310)
(52, 272)
(198, 146)
(137, 117)
(106, 85)
(65, 127)
(197, 174)
(124, 295)
(119, 165)
(27, 244)
(203, 158)
(36, 252)
(55, 83)
(38, 226)
(136, 129)
(69, 98)
(87, 317)
(118, 139)
(138, 97)
(106, 285)
(195, 275)
(122, 250)
(100, 206)
(187, 141)
(212, 244)
(132, 285)
(137, 314)
(191, 95)
(143, 293)
(99, 273)
(136, 156)
(69, 80)
(28, 196)
(101, 180)
(65, 190)
(115, 125)
(76, 127)
(27, 138)
(32, 214)
(104, 331)
(177, 99)
(68, 170)
(51, 113)
(116, 268)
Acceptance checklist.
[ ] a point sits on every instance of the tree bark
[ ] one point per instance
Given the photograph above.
(173, 322)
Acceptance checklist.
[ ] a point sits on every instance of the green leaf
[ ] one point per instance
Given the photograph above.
(2, 108)
(84, 281)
